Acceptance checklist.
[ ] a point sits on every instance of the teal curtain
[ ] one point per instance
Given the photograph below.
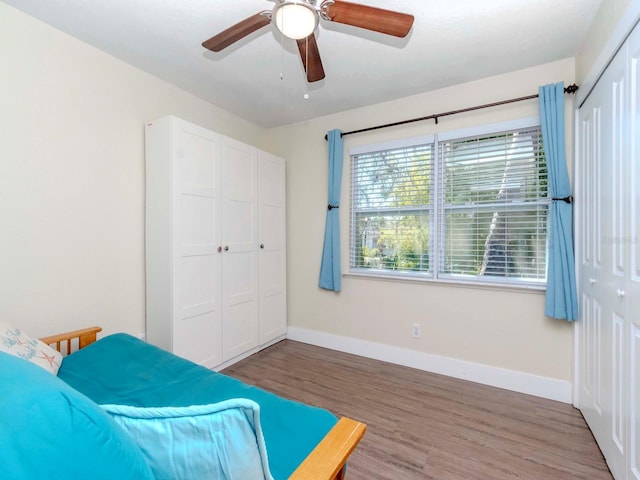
(330, 266)
(561, 300)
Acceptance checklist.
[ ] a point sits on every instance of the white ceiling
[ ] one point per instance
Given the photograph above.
(452, 41)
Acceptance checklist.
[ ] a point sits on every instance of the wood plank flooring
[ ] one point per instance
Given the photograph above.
(427, 426)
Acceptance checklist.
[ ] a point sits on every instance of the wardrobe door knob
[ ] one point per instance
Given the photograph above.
(226, 248)
(620, 293)
(262, 245)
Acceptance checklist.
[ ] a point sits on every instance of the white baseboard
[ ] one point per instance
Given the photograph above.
(539, 386)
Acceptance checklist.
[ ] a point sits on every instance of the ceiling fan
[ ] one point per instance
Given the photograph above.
(298, 19)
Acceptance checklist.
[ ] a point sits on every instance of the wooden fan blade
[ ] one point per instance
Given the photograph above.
(310, 56)
(370, 18)
(237, 32)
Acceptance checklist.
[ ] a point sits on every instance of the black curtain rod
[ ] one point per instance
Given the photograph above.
(570, 89)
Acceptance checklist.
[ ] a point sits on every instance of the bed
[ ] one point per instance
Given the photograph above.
(292, 440)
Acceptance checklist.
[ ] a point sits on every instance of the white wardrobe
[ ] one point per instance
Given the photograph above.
(608, 260)
(215, 244)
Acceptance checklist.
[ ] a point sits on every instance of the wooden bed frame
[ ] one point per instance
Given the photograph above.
(326, 462)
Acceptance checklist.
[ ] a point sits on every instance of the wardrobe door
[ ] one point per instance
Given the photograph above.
(271, 238)
(182, 233)
(239, 248)
(197, 303)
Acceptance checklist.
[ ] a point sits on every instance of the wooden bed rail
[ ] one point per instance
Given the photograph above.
(80, 338)
(327, 460)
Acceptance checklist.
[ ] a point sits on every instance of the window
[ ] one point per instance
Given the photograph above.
(466, 208)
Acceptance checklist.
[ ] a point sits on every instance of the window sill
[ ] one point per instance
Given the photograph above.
(409, 278)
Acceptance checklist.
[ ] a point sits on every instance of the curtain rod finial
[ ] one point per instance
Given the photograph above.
(573, 88)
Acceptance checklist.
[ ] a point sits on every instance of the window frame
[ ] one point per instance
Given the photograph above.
(437, 209)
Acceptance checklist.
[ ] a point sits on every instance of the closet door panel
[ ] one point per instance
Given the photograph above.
(615, 263)
(239, 248)
(197, 284)
(587, 206)
(271, 235)
(619, 262)
(590, 204)
(633, 236)
(197, 155)
(604, 263)
(193, 336)
(619, 416)
(617, 428)
(634, 417)
(617, 187)
(197, 306)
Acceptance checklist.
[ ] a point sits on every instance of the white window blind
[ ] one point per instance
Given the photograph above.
(391, 209)
(493, 206)
(472, 209)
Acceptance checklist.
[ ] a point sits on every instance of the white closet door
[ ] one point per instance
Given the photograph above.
(239, 248)
(632, 293)
(608, 222)
(196, 236)
(616, 206)
(271, 236)
(589, 199)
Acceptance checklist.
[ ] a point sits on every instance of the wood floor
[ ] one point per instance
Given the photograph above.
(427, 426)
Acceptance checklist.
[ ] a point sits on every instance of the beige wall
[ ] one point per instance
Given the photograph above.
(72, 181)
(497, 328)
(603, 25)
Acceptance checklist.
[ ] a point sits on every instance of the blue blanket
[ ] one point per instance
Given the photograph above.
(120, 369)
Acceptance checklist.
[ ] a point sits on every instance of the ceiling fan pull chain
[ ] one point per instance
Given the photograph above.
(306, 70)
(281, 56)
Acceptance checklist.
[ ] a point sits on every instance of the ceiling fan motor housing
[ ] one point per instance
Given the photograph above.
(295, 19)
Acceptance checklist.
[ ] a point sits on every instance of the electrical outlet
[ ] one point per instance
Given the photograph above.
(415, 330)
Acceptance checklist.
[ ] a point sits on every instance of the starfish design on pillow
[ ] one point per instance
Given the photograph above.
(49, 358)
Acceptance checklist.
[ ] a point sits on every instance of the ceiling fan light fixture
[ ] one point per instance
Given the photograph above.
(295, 19)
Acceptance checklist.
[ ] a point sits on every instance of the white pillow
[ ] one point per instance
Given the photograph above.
(15, 342)
(217, 441)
